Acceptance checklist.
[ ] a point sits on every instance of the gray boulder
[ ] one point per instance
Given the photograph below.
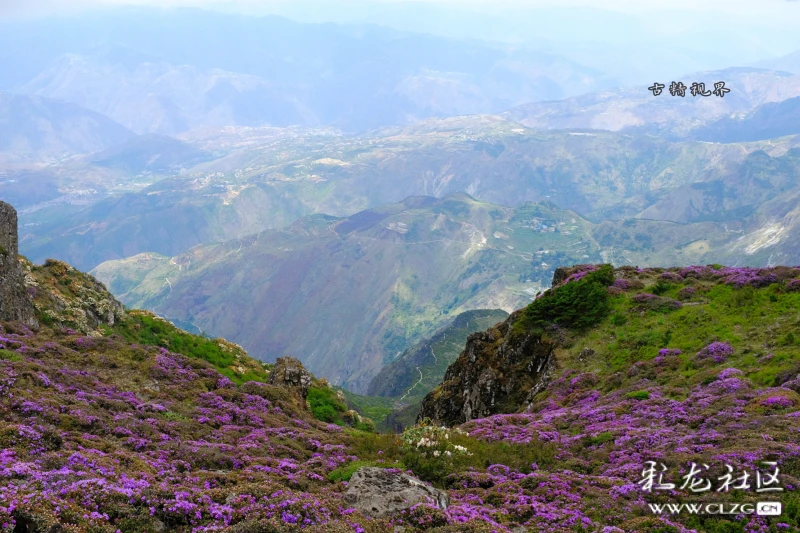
(379, 492)
(290, 374)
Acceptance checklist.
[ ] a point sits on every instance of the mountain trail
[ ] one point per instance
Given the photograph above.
(414, 386)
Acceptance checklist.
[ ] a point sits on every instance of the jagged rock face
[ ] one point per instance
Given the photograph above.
(64, 297)
(15, 303)
(379, 493)
(499, 371)
(290, 373)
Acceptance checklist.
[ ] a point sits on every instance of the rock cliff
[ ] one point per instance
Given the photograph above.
(16, 305)
(502, 369)
(499, 370)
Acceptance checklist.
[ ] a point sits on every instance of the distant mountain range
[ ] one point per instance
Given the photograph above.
(767, 121)
(136, 66)
(257, 181)
(617, 109)
(787, 63)
(38, 130)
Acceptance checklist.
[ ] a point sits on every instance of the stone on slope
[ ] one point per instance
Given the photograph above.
(290, 373)
(380, 492)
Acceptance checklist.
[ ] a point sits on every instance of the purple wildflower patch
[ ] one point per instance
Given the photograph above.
(716, 351)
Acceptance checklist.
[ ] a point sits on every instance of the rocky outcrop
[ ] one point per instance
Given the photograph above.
(64, 297)
(499, 371)
(380, 492)
(15, 302)
(502, 369)
(290, 373)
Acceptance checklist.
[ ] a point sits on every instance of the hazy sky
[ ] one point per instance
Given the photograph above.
(687, 35)
(756, 7)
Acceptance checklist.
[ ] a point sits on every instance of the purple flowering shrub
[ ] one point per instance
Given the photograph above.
(687, 293)
(739, 276)
(778, 402)
(672, 277)
(716, 351)
(730, 373)
(137, 438)
(580, 271)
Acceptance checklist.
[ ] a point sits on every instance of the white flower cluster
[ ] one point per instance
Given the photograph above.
(432, 440)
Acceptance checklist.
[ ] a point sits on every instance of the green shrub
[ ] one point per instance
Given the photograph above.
(326, 413)
(638, 395)
(578, 304)
(325, 405)
(8, 355)
(598, 439)
(618, 319)
(661, 287)
(744, 297)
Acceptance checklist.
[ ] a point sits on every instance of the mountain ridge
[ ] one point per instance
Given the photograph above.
(34, 129)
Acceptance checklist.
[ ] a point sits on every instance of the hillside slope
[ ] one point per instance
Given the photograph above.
(393, 274)
(768, 121)
(599, 321)
(115, 421)
(680, 366)
(422, 366)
